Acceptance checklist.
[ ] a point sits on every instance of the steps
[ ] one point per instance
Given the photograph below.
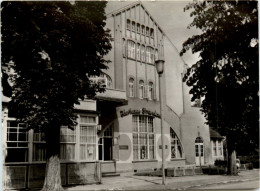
(110, 174)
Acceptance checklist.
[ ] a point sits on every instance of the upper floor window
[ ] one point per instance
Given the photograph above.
(138, 52)
(103, 79)
(131, 87)
(147, 31)
(152, 33)
(143, 29)
(138, 28)
(156, 54)
(149, 55)
(131, 49)
(143, 53)
(133, 26)
(141, 89)
(150, 90)
(128, 25)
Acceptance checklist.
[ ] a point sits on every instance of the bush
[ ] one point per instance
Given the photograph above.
(250, 159)
(220, 163)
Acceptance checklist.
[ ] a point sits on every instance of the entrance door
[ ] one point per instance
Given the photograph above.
(199, 151)
(106, 145)
(108, 149)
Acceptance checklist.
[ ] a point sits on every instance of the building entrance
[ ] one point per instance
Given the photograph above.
(105, 145)
(199, 151)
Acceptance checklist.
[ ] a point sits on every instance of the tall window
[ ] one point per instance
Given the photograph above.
(138, 52)
(156, 55)
(150, 90)
(67, 143)
(17, 142)
(143, 137)
(131, 87)
(138, 28)
(217, 148)
(133, 26)
(149, 55)
(152, 33)
(128, 26)
(131, 49)
(143, 53)
(141, 89)
(39, 146)
(143, 29)
(176, 150)
(147, 31)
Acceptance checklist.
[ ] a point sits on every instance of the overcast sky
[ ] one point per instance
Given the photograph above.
(171, 18)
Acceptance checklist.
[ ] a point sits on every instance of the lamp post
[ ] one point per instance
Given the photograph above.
(159, 67)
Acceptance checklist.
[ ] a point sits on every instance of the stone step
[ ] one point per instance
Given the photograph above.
(110, 174)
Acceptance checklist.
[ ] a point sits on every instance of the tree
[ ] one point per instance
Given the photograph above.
(226, 74)
(53, 47)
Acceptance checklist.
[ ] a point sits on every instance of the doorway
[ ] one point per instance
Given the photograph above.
(105, 145)
(199, 151)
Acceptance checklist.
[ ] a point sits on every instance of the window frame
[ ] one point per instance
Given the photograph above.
(141, 89)
(131, 86)
(147, 134)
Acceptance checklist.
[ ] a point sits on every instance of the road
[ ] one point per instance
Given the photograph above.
(235, 185)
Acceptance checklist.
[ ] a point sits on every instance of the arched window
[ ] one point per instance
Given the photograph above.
(143, 29)
(133, 26)
(143, 53)
(138, 52)
(152, 33)
(131, 49)
(150, 90)
(147, 31)
(141, 89)
(131, 87)
(176, 149)
(128, 26)
(138, 28)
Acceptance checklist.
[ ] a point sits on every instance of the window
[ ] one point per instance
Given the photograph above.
(104, 80)
(176, 149)
(143, 29)
(39, 146)
(133, 26)
(150, 90)
(217, 148)
(138, 28)
(152, 33)
(141, 89)
(143, 137)
(138, 52)
(17, 142)
(156, 55)
(147, 31)
(128, 26)
(220, 149)
(87, 142)
(131, 49)
(67, 143)
(149, 55)
(131, 87)
(214, 148)
(143, 53)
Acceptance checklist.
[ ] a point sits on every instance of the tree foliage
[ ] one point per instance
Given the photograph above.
(226, 75)
(54, 48)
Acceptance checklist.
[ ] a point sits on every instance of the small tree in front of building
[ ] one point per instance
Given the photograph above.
(54, 48)
(226, 74)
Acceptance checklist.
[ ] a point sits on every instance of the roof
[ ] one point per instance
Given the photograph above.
(214, 134)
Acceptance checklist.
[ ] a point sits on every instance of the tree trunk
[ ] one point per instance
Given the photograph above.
(232, 167)
(52, 180)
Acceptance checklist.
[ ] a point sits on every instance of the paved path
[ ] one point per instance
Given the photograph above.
(130, 182)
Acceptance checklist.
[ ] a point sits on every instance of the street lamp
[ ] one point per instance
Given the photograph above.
(159, 67)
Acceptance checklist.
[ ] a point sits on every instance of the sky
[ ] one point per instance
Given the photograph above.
(172, 19)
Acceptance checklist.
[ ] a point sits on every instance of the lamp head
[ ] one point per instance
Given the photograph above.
(159, 66)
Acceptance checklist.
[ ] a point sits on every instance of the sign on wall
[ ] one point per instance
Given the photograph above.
(142, 111)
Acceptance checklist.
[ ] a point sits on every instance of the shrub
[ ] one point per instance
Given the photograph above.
(220, 163)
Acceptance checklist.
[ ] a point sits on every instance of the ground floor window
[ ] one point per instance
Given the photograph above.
(143, 137)
(217, 147)
(16, 142)
(176, 149)
(79, 144)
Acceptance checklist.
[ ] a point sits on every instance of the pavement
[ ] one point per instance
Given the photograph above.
(127, 181)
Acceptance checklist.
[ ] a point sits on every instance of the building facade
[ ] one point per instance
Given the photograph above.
(121, 128)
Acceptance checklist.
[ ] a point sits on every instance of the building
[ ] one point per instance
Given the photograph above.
(121, 129)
